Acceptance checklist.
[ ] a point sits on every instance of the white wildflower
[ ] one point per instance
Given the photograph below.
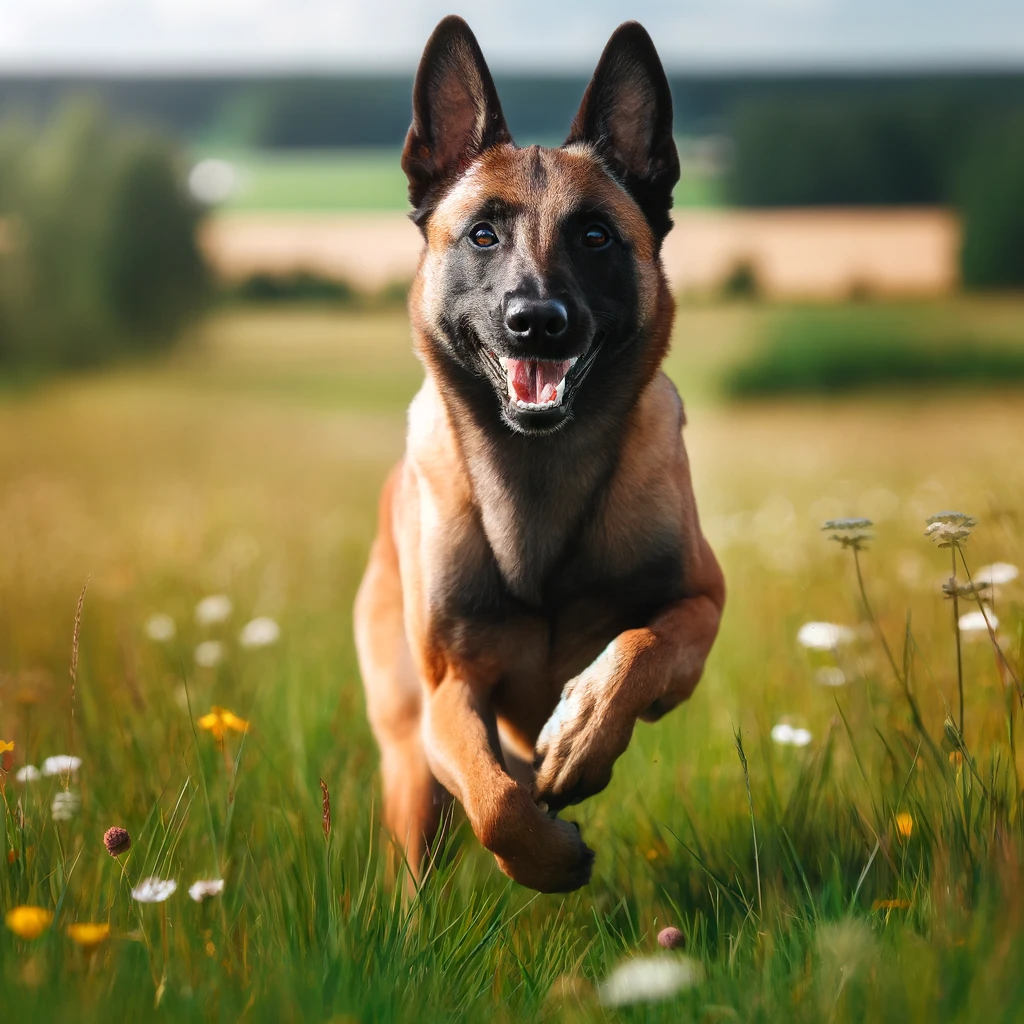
(997, 574)
(205, 887)
(261, 632)
(950, 529)
(790, 736)
(648, 979)
(209, 653)
(160, 628)
(65, 806)
(213, 609)
(61, 764)
(974, 622)
(850, 533)
(824, 636)
(28, 773)
(154, 890)
(830, 675)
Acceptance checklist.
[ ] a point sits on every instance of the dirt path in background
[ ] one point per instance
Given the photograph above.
(824, 254)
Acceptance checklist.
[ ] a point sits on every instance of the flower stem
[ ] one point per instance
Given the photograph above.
(956, 633)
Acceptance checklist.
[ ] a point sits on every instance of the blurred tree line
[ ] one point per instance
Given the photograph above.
(98, 247)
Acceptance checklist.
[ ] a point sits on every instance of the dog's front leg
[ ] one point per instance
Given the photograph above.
(462, 746)
(641, 674)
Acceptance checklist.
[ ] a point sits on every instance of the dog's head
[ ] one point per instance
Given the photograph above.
(541, 285)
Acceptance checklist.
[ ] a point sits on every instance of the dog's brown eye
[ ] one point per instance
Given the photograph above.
(597, 236)
(483, 236)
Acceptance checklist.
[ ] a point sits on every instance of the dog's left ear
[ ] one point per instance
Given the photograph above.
(626, 114)
(456, 114)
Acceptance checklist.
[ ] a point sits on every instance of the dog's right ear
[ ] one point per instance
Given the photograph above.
(456, 114)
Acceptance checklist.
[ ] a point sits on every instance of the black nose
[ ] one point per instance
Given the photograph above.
(536, 319)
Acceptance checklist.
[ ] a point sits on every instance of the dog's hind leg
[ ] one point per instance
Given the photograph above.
(414, 802)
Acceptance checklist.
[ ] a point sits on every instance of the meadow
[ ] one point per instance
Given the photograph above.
(863, 862)
(362, 179)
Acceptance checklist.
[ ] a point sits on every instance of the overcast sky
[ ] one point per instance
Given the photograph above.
(341, 35)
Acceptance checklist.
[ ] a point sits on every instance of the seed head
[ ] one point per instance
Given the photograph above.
(950, 529)
(671, 938)
(850, 533)
(117, 840)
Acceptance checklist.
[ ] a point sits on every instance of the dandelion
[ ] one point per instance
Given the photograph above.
(28, 773)
(88, 935)
(997, 574)
(824, 636)
(209, 653)
(6, 745)
(61, 764)
(154, 890)
(850, 533)
(220, 720)
(977, 621)
(213, 609)
(160, 628)
(261, 632)
(830, 675)
(950, 529)
(671, 938)
(28, 922)
(117, 841)
(205, 888)
(649, 979)
(788, 736)
(904, 824)
(65, 806)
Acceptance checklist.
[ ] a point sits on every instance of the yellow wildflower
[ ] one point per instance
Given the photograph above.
(28, 922)
(956, 759)
(88, 935)
(891, 905)
(6, 745)
(904, 824)
(220, 719)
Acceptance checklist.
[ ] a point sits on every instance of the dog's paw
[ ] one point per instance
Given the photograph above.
(575, 766)
(557, 859)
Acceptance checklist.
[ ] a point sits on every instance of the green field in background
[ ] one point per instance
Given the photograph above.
(357, 179)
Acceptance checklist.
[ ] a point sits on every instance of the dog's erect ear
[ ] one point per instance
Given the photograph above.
(455, 111)
(626, 114)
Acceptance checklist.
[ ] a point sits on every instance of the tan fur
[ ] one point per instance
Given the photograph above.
(462, 711)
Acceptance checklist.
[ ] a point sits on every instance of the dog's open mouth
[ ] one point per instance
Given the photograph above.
(536, 384)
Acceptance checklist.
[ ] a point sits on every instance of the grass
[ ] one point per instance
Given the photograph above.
(823, 350)
(359, 180)
(249, 465)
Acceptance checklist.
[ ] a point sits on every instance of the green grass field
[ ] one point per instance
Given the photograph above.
(248, 465)
(358, 179)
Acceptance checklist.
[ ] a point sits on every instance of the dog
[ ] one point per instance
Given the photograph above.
(539, 581)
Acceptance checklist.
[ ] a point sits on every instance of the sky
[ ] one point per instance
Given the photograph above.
(537, 35)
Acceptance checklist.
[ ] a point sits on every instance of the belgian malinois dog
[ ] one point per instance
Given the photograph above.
(539, 581)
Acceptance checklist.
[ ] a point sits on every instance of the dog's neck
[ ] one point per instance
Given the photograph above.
(533, 493)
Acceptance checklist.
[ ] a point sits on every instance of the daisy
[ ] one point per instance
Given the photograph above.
(154, 890)
(160, 628)
(209, 654)
(261, 632)
(205, 887)
(647, 979)
(824, 636)
(997, 574)
(974, 622)
(213, 609)
(61, 764)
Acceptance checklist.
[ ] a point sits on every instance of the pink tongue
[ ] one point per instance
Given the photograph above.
(536, 381)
